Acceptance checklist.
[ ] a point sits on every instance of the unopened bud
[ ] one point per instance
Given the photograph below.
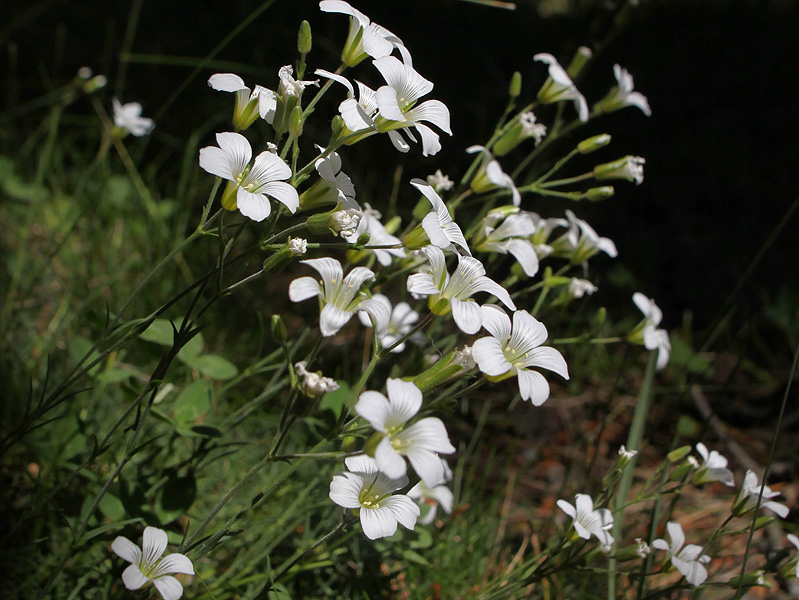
(295, 123)
(599, 318)
(756, 579)
(684, 469)
(603, 192)
(515, 87)
(416, 238)
(579, 61)
(363, 239)
(630, 168)
(304, 38)
(279, 329)
(678, 454)
(593, 144)
(640, 549)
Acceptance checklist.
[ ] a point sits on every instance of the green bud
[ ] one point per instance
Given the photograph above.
(416, 238)
(304, 38)
(682, 471)
(371, 444)
(579, 61)
(678, 454)
(756, 579)
(603, 192)
(453, 365)
(295, 123)
(599, 318)
(278, 261)
(363, 239)
(393, 224)
(279, 329)
(337, 125)
(593, 144)
(763, 521)
(421, 209)
(515, 85)
(630, 168)
(637, 551)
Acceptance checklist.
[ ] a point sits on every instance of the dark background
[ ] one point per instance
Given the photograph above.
(721, 78)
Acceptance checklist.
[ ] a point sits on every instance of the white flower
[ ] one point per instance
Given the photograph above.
(623, 94)
(313, 384)
(532, 129)
(589, 521)
(517, 350)
(148, 565)
(365, 488)
(250, 186)
(749, 493)
(560, 87)
(454, 293)
(128, 117)
(688, 560)
(629, 168)
(585, 242)
(439, 495)
(335, 187)
(298, 246)
(490, 176)
(358, 115)
(438, 225)
(398, 109)
(544, 227)
(340, 296)
(511, 236)
(378, 236)
(401, 320)
(440, 182)
(642, 548)
(249, 105)
(653, 338)
(419, 443)
(713, 468)
(580, 287)
(364, 38)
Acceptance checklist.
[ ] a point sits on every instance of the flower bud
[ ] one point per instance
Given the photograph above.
(599, 319)
(630, 168)
(313, 384)
(278, 261)
(595, 194)
(756, 579)
(581, 58)
(453, 365)
(416, 238)
(682, 471)
(678, 454)
(295, 123)
(304, 38)
(298, 246)
(593, 144)
(515, 87)
(339, 222)
(279, 329)
(639, 550)
(363, 239)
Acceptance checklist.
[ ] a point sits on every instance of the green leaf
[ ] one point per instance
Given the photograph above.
(213, 366)
(115, 375)
(193, 402)
(112, 508)
(175, 497)
(415, 557)
(110, 526)
(78, 347)
(159, 332)
(337, 399)
(192, 349)
(683, 355)
(278, 592)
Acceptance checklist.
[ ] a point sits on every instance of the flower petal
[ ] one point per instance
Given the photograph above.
(406, 400)
(467, 315)
(345, 488)
(496, 322)
(548, 358)
(169, 587)
(533, 386)
(154, 543)
(253, 206)
(331, 319)
(173, 563)
(283, 193)
(378, 522)
(304, 288)
(487, 353)
(388, 460)
(227, 82)
(133, 578)
(405, 510)
(126, 550)
(375, 408)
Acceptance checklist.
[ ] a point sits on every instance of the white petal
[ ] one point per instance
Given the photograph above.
(467, 315)
(227, 82)
(283, 193)
(378, 522)
(355, 117)
(345, 488)
(303, 288)
(779, 509)
(566, 507)
(168, 587)
(379, 308)
(429, 434)
(254, 206)
(581, 530)
(432, 111)
(406, 400)
(524, 252)
(533, 386)
(154, 543)
(405, 510)
(388, 460)
(126, 549)
(339, 78)
(496, 322)
(444, 496)
(361, 464)
(431, 145)
(422, 285)
(216, 162)
(133, 578)
(435, 232)
(237, 148)
(548, 358)
(676, 535)
(388, 104)
(173, 563)
(331, 319)
(487, 353)
(375, 408)
(399, 143)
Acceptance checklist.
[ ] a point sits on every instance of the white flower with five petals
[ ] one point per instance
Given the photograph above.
(249, 186)
(589, 521)
(249, 104)
(490, 176)
(364, 488)
(339, 297)
(453, 294)
(438, 225)
(688, 560)
(378, 236)
(623, 95)
(750, 491)
(148, 565)
(419, 442)
(128, 117)
(516, 350)
(652, 337)
(509, 234)
(401, 319)
(713, 468)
